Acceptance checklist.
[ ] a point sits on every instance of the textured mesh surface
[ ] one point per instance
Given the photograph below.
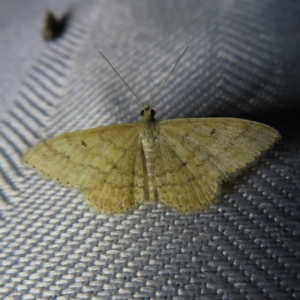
(243, 62)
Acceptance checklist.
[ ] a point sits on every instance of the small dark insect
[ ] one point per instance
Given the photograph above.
(53, 27)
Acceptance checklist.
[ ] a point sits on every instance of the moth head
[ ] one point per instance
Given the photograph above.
(148, 113)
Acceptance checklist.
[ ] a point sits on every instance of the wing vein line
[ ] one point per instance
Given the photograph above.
(189, 171)
(214, 154)
(203, 154)
(117, 162)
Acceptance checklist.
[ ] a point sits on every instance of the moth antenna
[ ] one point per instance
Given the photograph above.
(166, 79)
(122, 79)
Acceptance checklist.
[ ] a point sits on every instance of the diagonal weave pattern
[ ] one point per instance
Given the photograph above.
(242, 62)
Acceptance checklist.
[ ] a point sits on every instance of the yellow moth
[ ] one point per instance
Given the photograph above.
(181, 162)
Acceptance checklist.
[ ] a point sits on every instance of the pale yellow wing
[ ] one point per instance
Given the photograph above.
(105, 163)
(194, 156)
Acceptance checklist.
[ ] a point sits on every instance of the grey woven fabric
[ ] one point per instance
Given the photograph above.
(243, 62)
